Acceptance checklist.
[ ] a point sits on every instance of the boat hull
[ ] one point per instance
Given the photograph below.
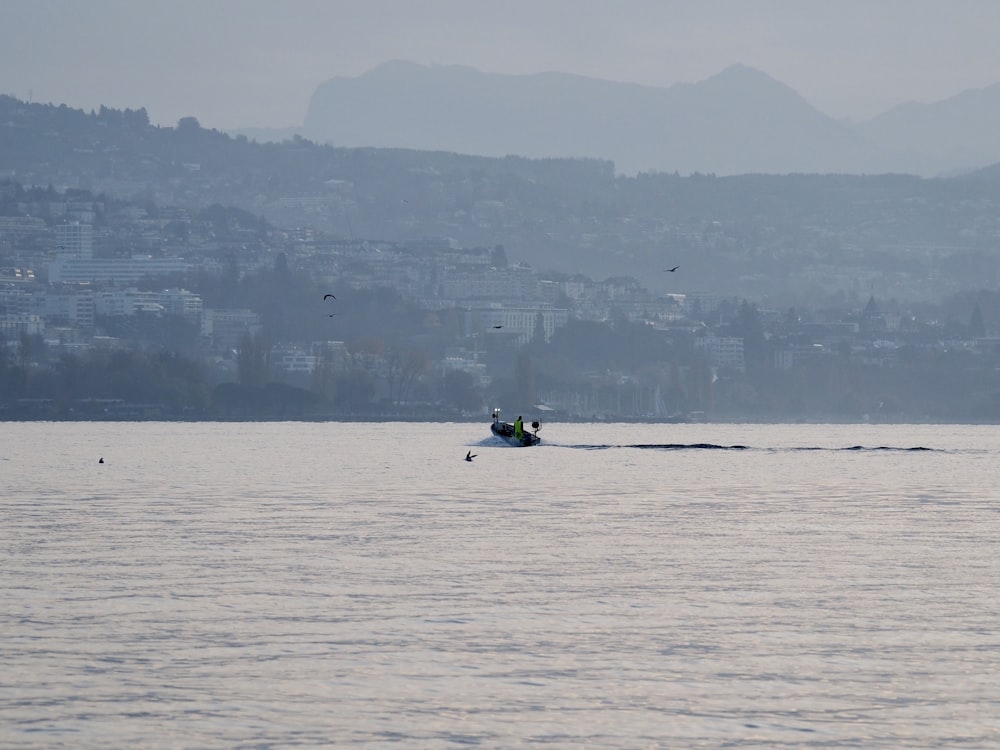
(505, 431)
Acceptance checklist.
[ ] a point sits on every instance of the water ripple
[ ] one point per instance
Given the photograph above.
(280, 585)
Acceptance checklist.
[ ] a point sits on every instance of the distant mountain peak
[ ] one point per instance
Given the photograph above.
(406, 67)
(737, 121)
(741, 71)
(391, 66)
(739, 76)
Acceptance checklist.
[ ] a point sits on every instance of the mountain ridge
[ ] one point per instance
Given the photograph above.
(971, 116)
(740, 120)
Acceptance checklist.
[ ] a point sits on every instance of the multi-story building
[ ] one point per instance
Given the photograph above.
(12, 327)
(700, 305)
(75, 241)
(181, 302)
(113, 270)
(17, 229)
(520, 321)
(123, 303)
(723, 351)
(225, 328)
(512, 285)
(126, 302)
(75, 307)
(294, 360)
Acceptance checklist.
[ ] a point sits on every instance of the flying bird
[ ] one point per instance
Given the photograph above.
(671, 270)
(328, 295)
(101, 460)
(498, 326)
(470, 455)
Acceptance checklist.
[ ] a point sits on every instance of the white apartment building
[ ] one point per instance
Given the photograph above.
(699, 305)
(723, 351)
(502, 285)
(520, 321)
(181, 302)
(123, 303)
(297, 359)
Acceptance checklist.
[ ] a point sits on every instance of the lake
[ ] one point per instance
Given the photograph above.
(269, 585)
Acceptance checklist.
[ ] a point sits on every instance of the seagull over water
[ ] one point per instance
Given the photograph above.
(325, 296)
(671, 270)
(470, 455)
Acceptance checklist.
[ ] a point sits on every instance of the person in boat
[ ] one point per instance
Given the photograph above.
(519, 429)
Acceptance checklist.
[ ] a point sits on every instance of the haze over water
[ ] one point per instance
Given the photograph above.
(288, 584)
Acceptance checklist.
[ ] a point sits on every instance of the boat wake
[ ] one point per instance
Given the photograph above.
(497, 442)
(915, 448)
(662, 446)
(716, 447)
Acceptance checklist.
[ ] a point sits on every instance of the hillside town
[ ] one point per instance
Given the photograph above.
(183, 273)
(84, 277)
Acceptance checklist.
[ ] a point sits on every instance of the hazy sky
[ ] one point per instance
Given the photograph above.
(255, 63)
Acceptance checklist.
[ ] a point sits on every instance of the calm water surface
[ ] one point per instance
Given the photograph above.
(285, 584)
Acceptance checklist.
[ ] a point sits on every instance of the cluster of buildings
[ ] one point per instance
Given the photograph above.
(61, 275)
(66, 266)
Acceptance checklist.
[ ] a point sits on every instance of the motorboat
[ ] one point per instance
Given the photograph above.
(506, 432)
